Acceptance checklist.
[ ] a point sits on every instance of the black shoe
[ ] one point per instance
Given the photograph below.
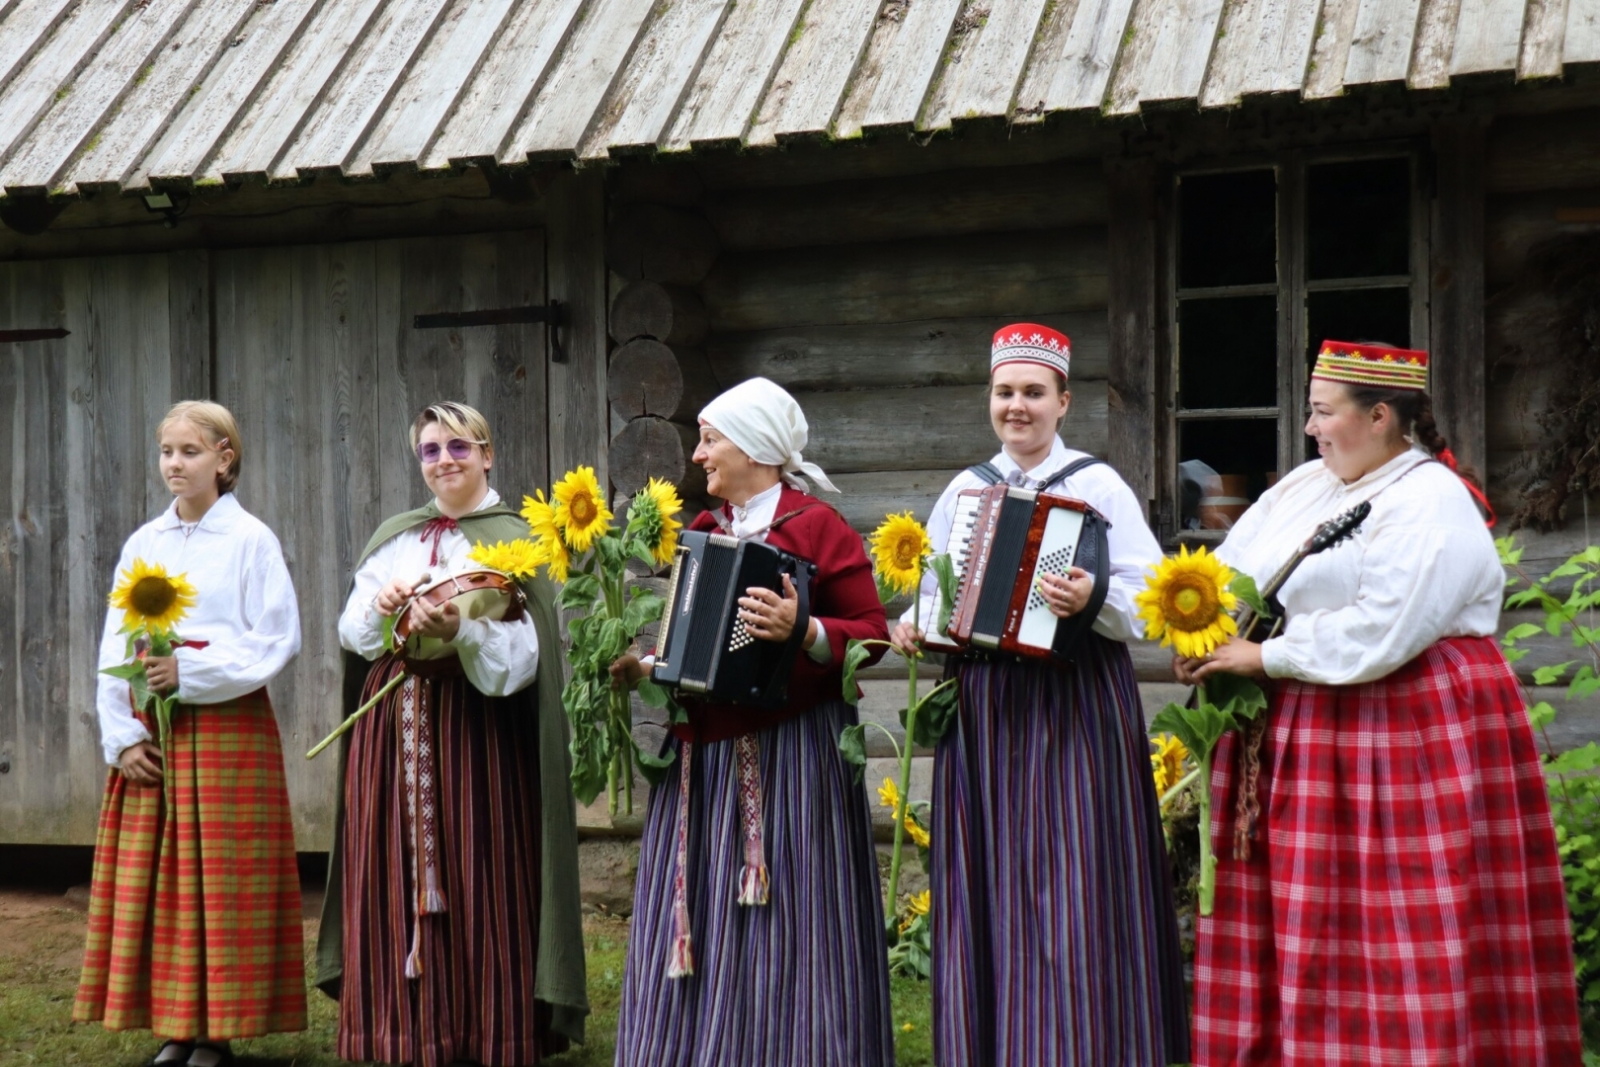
(172, 1054)
(211, 1054)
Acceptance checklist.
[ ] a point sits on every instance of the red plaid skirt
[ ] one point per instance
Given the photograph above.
(194, 912)
(1403, 901)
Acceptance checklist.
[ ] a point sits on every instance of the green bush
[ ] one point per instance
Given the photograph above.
(1568, 597)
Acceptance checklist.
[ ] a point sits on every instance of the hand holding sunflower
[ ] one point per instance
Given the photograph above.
(152, 604)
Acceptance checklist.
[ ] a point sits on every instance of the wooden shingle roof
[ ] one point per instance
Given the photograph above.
(107, 95)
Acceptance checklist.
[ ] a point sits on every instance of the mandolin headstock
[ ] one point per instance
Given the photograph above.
(1338, 528)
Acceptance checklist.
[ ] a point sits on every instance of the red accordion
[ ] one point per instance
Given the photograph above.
(1017, 536)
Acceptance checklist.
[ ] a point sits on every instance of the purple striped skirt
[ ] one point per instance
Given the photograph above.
(802, 981)
(1055, 939)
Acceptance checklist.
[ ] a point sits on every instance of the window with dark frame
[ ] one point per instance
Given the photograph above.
(1267, 261)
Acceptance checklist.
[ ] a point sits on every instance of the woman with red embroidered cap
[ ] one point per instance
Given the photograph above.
(194, 910)
(451, 931)
(1055, 939)
(1391, 892)
(757, 927)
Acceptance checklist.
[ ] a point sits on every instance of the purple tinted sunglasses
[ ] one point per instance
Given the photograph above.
(458, 447)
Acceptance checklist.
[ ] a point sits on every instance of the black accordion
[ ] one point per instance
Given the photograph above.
(704, 649)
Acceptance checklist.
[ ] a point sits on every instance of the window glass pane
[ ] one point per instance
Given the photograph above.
(1224, 465)
(1358, 218)
(1379, 315)
(1228, 352)
(1227, 229)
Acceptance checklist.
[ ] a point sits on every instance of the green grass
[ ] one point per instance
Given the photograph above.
(37, 986)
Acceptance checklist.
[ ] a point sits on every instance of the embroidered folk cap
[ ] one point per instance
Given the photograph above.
(1026, 342)
(1372, 365)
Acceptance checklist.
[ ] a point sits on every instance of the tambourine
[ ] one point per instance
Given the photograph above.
(479, 594)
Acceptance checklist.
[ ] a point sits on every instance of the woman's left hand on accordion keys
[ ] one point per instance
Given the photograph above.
(1066, 594)
(771, 617)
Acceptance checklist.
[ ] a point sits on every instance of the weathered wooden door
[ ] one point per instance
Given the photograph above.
(78, 453)
(317, 356)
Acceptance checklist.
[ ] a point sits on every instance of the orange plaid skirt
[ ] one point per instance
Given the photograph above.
(194, 913)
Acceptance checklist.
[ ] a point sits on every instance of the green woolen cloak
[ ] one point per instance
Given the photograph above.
(559, 973)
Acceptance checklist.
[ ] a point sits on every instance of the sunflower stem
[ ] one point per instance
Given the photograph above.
(905, 759)
(1208, 863)
(1172, 794)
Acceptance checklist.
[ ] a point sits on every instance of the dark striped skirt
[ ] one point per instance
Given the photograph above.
(802, 981)
(1055, 942)
(194, 912)
(459, 983)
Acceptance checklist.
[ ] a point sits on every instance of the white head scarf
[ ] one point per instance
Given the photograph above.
(767, 424)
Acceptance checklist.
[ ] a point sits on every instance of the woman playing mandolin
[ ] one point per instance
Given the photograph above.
(1399, 899)
(451, 928)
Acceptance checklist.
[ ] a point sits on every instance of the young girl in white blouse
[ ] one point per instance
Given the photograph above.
(1388, 886)
(194, 913)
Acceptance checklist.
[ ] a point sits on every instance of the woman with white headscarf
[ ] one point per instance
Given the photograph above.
(757, 927)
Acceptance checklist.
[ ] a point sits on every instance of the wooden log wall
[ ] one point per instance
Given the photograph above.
(874, 301)
(658, 379)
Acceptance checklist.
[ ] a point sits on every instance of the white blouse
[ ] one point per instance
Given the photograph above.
(245, 609)
(1422, 567)
(499, 658)
(1133, 546)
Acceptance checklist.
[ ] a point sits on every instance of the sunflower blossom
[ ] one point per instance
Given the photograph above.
(917, 905)
(651, 517)
(151, 599)
(581, 510)
(914, 830)
(1187, 601)
(520, 559)
(889, 795)
(1166, 762)
(898, 547)
(549, 548)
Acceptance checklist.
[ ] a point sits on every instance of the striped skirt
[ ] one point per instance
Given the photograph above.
(194, 912)
(455, 982)
(1403, 901)
(802, 981)
(1055, 943)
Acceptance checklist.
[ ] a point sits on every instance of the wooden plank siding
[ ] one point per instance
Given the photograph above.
(80, 458)
(989, 51)
(901, 60)
(736, 75)
(1167, 55)
(824, 52)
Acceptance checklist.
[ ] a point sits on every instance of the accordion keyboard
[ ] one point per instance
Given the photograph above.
(961, 525)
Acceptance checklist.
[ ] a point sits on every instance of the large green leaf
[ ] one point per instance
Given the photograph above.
(855, 654)
(853, 747)
(644, 608)
(580, 591)
(653, 767)
(1236, 697)
(1244, 587)
(936, 713)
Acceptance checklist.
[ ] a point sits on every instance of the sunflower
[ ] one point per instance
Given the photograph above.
(1166, 762)
(150, 599)
(917, 905)
(1187, 601)
(914, 830)
(581, 510)
(897, 550)
(520, 559)
(549, 549)
(651, 517)
(889, 795)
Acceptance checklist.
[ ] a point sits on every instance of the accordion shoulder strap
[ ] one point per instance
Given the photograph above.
(988, 473)
(1069, 470)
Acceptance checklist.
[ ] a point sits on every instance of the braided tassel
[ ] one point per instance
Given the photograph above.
(753, 875)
